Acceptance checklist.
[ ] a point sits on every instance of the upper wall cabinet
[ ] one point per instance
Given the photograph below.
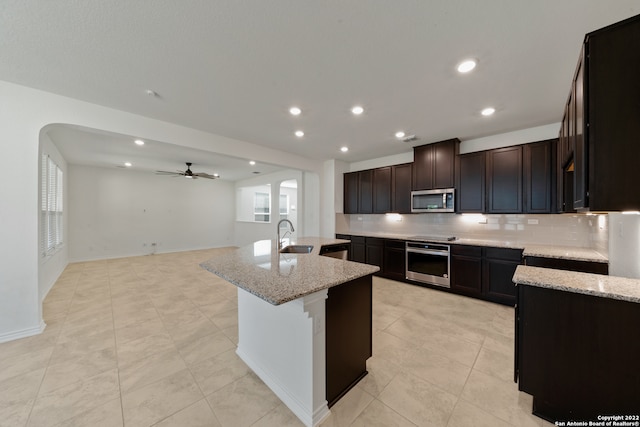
(382, 190)
(508, 180)
(358, 192)
(504, 180)
(607, 119)
(470, 186)
(434, 165)
(539, 176)
(401, 188)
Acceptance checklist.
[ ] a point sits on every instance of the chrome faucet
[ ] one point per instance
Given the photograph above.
(292, 229)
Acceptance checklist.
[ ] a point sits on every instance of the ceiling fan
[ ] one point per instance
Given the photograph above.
(189, 174)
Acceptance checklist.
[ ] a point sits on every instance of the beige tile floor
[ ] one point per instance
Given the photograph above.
(150, 340)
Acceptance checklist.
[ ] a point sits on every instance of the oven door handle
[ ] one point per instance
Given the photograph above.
(421, 251)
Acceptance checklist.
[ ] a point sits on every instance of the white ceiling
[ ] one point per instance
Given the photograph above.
(83, 146)
(234, 68)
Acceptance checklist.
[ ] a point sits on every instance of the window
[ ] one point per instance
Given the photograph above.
(284, 205)
(261, 207)
(51, 206)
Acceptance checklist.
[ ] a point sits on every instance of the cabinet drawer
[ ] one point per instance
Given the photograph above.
(470, 251)
(374, 241)
(343, 236)
(503, 254)
(357, 239)
(398, 244)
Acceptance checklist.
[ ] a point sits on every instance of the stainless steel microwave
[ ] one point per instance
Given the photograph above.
(441, 200)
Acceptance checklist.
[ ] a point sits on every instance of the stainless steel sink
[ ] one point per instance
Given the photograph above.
(296, 249)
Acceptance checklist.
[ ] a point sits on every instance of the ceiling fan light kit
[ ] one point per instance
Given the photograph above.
(189, 174)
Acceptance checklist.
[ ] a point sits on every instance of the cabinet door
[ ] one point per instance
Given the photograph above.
(358, 249)
(538, 176)
(351, 192)
(401, 188)
(504, 180)
(394, 259)
(382, 190)
(365, 196)
(466, 269)
(471, 183)
(498, 268)
(444, 160)
(375, 252)
(423, 167)
(580, 184)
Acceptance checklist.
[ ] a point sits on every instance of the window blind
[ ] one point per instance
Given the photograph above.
(52, 218)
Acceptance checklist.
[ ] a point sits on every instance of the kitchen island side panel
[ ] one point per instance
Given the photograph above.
(577, 354)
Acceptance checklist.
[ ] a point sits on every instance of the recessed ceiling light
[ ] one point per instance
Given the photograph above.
(295, 111)
(150, 92)
(357, 110)
(139, 142)
(252, 163)
(299, 133)
(400, 134)
(344, 149)
(466, 66)
(488, 111)
(128, 164)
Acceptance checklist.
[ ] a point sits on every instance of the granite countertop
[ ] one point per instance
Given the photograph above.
(537, 250)
(278, 278)
(620, 288)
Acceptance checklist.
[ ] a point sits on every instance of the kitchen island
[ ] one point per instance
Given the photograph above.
(577, 344)
(304, 320)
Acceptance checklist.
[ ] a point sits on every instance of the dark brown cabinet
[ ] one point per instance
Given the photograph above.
(504, 180)
(539, 177)
(394, 259)
(358, 192)
(466, 269)
(498, 267)
(358, 249)
(576, 354)
(351, 192)
(382, 190)
(604, 119)
(374, 251)
(470, 195)
(349, 332)
(401, 176)
(365, 195)
(434, 165)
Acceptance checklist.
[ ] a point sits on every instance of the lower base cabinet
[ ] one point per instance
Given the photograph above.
(577, 354)
(479, 272)
(485, 272)
(394, 263)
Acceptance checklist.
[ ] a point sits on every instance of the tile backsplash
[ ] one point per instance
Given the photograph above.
(586, 231)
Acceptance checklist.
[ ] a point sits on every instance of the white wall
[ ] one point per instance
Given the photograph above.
(117, 213)
(23, 113)
(51, 267)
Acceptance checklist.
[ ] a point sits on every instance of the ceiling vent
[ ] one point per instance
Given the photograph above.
(409, 138)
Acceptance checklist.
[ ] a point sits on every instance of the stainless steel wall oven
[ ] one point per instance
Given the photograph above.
(428, 263)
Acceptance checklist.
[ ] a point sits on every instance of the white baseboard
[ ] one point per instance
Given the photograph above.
(24, 333)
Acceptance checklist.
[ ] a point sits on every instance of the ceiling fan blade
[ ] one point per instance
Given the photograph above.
(168, 173)
(204, 175)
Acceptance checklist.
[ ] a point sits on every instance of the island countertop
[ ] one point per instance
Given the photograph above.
(277, 278)
(619, 288)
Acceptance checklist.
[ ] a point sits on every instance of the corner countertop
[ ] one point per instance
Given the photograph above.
(620, 288)
(530, 249)
(278, 278)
